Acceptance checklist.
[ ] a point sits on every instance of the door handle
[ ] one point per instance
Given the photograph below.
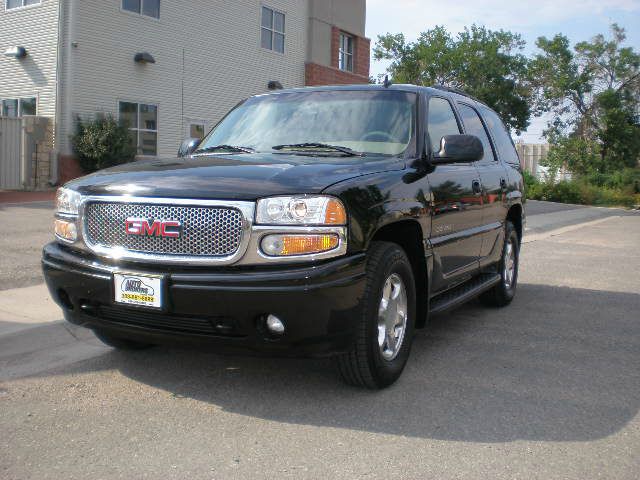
(477, 188)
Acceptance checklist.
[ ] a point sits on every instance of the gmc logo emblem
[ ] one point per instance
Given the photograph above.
(156, 228)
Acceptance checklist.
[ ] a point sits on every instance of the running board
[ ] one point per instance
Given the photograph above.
(463, 293)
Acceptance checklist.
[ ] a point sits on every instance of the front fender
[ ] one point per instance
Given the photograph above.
(377, 200)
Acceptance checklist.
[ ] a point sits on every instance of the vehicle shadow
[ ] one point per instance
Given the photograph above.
(559, 364)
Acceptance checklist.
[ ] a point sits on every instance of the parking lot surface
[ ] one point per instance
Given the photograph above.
(546, 388)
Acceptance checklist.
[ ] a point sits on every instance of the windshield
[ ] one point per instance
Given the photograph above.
(370, 122)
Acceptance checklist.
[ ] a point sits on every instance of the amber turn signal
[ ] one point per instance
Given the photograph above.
(335, 213)
(288, 245)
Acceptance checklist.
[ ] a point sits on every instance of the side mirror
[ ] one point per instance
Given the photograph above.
(188, 147)
(458, 149)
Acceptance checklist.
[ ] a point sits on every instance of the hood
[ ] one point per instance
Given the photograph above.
(230, 177)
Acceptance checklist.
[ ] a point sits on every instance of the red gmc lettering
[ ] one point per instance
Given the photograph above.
(175, 226)
(151, 230)
(157, 228)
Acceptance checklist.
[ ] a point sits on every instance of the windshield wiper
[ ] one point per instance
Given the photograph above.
(226, 148)
(319, 147)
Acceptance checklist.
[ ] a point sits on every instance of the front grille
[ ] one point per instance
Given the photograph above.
(206, 231)
(223, 326)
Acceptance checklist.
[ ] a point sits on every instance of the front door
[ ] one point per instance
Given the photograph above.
(457, 209)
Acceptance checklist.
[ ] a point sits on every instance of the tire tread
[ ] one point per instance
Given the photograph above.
(354, 366)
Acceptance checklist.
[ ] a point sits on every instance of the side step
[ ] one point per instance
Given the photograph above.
(463, 293)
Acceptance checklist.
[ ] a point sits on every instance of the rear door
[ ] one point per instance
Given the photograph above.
(494, 183)
(457, 207)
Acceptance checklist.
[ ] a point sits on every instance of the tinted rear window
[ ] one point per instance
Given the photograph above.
(503, 143)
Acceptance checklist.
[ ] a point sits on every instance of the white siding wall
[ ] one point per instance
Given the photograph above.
(35, 28)
(223, 60)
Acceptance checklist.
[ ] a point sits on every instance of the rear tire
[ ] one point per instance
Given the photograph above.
(502, 294)
(120, 343)
(385, 330)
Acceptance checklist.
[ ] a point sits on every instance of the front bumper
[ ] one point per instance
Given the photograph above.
(218, 308)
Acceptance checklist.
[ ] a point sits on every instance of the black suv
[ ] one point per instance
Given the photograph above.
(316, 221)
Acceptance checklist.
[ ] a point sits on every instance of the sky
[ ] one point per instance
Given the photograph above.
(577, 19)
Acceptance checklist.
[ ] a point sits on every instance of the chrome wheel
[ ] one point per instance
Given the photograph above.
(392, 317)
(509, 264)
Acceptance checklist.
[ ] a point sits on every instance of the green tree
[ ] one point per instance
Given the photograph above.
(102, 143)
(593, 94)
(487, 64)
(580, 156)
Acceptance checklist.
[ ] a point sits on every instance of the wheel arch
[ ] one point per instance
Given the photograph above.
(409, 236)
(514, 215)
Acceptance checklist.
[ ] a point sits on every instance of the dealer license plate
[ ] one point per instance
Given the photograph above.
(140, 290)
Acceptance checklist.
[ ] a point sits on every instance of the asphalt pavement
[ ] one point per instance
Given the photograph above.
(546, 388)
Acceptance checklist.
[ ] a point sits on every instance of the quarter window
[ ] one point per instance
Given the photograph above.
(473, 126)
(345, 54)
(148, 8)
(441, 122)
(142, 121)
(272, 30)
(11, 4)
(504, 144)
(18, 107)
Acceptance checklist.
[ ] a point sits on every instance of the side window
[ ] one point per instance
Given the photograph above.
(148, 8)
(473, 126)
(345, 53)
(441, 121)
(272, 30)
(18, 107)
(11, 4)
(142, 121)
(504, 145)
(196, 130)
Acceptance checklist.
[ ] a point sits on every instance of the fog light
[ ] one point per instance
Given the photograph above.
(287, 245)
(66, 230)
(275, 325)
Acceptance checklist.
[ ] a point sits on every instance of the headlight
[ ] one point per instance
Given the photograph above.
(301, 210)
(67, 201)
(66, 230)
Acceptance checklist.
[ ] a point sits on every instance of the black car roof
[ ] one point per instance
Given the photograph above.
(378, 87)
(354, 87)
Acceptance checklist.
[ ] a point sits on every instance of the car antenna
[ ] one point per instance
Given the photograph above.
(387, 82)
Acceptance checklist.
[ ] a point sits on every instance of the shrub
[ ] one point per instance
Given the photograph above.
(626, 179)
(581, 192)
(102, 143)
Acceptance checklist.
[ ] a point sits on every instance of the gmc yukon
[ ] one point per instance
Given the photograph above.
(316, 221)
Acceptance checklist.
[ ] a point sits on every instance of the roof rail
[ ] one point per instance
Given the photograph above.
(452, 90)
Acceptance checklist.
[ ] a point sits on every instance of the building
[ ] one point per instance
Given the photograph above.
(170, 69)
(531, 154)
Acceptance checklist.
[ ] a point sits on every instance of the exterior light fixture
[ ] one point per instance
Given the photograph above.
(16, 52)
(144, 57)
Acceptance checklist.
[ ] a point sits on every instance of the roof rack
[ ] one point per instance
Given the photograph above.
(453, 90)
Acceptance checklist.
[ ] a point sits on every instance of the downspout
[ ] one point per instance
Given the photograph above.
(70, 64)
(53, 179)
(69, 70)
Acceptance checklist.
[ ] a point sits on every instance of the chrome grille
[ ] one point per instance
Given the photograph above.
(206, 231)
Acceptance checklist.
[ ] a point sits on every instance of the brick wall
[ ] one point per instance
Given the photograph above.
(68, 169)
(316, 74)
(322, 75)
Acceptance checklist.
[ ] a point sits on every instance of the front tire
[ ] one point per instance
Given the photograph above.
(386, 326)
(120, 343)
(502, 294)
